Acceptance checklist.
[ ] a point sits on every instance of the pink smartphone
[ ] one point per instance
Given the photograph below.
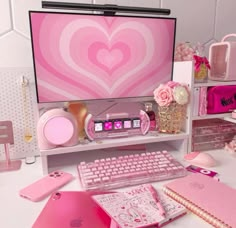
(45, 186)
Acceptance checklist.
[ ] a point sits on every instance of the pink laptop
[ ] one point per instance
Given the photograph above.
(72, 209)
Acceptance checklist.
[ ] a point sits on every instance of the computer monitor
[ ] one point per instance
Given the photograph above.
(93, 56)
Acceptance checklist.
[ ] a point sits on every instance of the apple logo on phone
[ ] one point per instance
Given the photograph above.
(76, 223)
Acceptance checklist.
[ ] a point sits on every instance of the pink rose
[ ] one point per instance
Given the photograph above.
(163, 95)
(172, 84)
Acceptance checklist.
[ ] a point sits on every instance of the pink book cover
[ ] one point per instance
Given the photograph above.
(202, 101)
(214, 201)
(136, 208)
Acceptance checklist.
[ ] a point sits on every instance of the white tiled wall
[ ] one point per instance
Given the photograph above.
(204, 21)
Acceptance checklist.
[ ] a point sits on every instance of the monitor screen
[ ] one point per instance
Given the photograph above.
(92, 56)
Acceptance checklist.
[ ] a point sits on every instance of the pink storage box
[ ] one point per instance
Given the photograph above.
(222, 58)
(221, 99)
(212, 126)
(213, 137)
(212, 145)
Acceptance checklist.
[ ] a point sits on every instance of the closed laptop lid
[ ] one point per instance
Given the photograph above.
(72, 209)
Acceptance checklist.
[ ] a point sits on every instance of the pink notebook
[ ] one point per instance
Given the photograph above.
(72, 210)
(213, 201)
(136, 208)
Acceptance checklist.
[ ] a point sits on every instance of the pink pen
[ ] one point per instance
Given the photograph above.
(155, 196)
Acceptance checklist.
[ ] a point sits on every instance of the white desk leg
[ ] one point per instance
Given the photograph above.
(45, 164)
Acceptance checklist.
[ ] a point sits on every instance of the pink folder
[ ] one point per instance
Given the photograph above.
(213, 201)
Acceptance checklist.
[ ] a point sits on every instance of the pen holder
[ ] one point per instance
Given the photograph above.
(170, 118)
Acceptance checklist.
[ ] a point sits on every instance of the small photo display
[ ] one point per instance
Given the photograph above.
(136, 123)
(117, 124)
(127, 124)
(108, 126)
(98, 126)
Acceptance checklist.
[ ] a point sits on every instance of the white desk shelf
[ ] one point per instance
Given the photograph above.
(177, 141)
(214, 83)
(183, 73)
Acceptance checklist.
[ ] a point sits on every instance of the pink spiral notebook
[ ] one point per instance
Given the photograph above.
(211, 200)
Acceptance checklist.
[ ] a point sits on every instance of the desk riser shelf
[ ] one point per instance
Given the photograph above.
(183, 73)
(61, 161)
(177, 141)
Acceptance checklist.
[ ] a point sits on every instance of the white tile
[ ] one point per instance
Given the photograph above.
(5, 18)
(20, 14)
(225, 18)
(195, 19)
(147, 3)
(207, 45)
(15, 51)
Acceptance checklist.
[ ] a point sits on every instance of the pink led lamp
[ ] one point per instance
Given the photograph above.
(56, 127)
(6, 138)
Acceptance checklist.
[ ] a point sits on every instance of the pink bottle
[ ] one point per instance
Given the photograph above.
(152, 116)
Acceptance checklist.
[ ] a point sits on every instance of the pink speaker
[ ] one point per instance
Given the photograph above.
(56, 127)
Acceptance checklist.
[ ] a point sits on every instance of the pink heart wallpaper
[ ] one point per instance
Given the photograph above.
(83, 57)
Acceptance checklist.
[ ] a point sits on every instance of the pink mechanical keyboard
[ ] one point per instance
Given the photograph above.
(127, 170)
